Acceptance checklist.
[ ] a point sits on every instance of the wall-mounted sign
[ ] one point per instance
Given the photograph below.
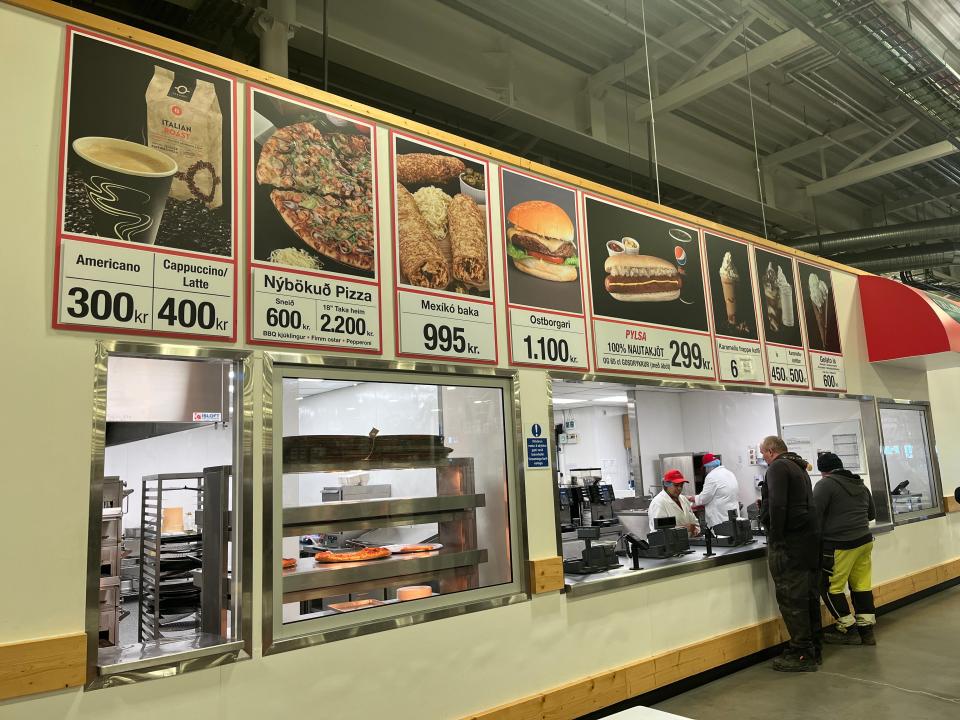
(443, 256)
(823, 333)
(538, 452)
(313, 250)
(145, 232)
(730, 276)
(544, 273)
(649, 308)
(776, 285)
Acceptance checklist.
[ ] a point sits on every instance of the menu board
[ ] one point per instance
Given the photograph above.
(313, 250)
(442, 253)
(647, 293)
(776, 286)
(730, 276)
(145, 231)
(542, 266)
(823, 332)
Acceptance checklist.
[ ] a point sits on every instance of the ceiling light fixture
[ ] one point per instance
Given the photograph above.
(612, 399)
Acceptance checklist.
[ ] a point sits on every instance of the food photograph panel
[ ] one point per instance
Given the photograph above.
(542, 252)
(776, 287)
(147, 150)
(312, 187)
(820, 309)
(440, 205)
(644, 268)
(731, 287)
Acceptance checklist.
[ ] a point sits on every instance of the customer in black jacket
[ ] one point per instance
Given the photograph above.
(788, 513)
(846, 509)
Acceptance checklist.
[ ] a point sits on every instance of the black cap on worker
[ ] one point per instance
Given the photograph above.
(828, 462)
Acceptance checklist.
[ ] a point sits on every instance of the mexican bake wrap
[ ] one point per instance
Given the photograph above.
(420, 168)
(468, 240)
(421, 261)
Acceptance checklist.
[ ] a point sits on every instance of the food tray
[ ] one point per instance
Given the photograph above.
(318, 449)
(355, 605)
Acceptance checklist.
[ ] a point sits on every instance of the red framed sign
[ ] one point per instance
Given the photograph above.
(313, 249)
(147, 204)
(543, 268)
(823, 331)
(445, 305)
(781, 319)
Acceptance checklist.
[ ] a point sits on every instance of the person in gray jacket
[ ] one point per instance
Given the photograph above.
(846, 509)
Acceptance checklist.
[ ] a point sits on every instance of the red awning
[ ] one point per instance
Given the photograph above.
(907, 326)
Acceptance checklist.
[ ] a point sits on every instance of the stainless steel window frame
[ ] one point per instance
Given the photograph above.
(868, 411)
(936, 486)
(151, 665)
(276, 366)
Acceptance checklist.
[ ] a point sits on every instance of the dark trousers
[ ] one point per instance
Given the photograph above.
(797, 582)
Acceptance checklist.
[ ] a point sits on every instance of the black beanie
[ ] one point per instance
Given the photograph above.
(828, 462)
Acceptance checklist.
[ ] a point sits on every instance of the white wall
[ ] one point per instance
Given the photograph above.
(187, 451)
(660, 430)
(600, 428)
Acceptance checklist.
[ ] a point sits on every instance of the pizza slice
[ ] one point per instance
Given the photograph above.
(300, 157)
(337, 227)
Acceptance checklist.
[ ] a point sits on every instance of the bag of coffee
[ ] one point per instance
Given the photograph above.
(184, 122)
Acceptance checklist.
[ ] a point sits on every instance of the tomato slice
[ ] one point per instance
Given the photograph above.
(545, 258)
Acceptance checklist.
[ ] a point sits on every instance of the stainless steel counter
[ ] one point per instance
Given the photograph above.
(657, 569)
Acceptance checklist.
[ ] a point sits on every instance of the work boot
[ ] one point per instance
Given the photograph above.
(834, 636)
(794, 661)
(866, 635)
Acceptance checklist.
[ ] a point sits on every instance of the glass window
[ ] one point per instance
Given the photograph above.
(911, 472)
(394, 497)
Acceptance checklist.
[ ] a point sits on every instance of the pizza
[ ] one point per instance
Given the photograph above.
(338, 227)
(370, 553)
(417, 548)
(323, 190)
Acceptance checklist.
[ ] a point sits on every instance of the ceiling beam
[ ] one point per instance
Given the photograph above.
(718, 47)
(759, 57)
(883, 167)
(880, 144)
(840, 135)
(674, 39)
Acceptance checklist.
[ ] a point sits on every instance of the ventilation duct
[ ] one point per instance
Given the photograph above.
(857, 240)
(928, 256)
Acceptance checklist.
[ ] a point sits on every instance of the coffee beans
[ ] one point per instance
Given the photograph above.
(186, 224)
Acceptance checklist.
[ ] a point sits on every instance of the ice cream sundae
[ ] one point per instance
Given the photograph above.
(771, 294)
(788, 316)
(819, 292)
(728, 279)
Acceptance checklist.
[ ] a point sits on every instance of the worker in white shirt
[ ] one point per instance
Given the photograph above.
(720, 494)
(670, 502)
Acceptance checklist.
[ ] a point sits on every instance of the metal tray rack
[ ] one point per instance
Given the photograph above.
(455, 567)
(169, 600)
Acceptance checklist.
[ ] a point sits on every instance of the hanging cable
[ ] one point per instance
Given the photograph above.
(626, 114)
(753, 122)
(653, 126)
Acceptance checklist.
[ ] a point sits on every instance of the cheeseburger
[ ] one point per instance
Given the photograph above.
(641, 278)
(541, 241)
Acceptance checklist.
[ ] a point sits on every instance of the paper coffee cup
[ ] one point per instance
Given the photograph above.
(730, 299)
(127, 185)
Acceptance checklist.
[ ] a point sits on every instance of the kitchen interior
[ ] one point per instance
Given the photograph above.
(393, 491)
(164, 520)
(615, 441)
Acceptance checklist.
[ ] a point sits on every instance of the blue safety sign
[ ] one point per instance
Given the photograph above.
(538, 452)
(536, 430)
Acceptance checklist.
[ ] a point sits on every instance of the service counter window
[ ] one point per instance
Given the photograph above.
(169, 507)
(912, 471)
(847, 427)
(391, 498)
(615, 442)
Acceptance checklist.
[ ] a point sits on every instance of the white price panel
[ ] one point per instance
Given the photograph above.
(827, 372)
(141, 291)
(787, 366)
(440, 326)
(625, 347)
(314, 311)
(547, 340)
(739, 361)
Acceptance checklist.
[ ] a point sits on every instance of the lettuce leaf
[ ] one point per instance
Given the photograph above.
(516, 253)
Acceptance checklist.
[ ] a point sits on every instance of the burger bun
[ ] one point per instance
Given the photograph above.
(543, 218)
(545, 270)
(663, 296)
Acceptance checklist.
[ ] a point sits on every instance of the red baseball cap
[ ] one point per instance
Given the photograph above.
(708, 458)
(674, 476)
